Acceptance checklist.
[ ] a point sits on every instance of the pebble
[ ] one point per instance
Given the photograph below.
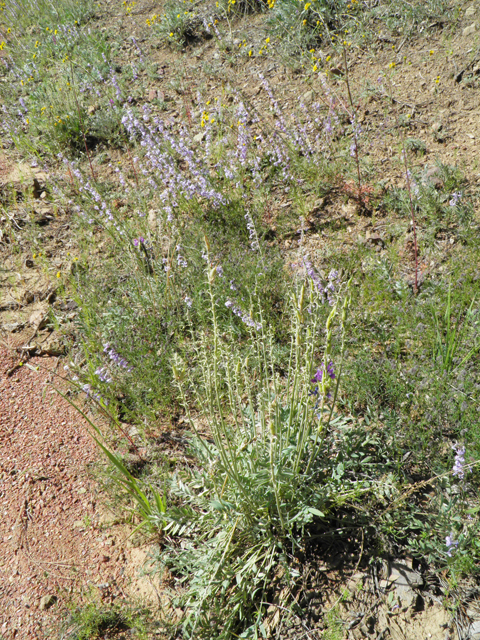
(474, 630)
(47, 601)
(199, 137)
(307, 97)
(468, 31)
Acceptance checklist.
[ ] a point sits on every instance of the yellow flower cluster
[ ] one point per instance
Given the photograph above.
(128, 6)
(264, 48)
(153, 19)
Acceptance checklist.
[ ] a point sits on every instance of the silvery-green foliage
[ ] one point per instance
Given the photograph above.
(277, 457)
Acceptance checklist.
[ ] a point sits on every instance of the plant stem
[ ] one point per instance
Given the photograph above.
(357, 160)
(412, 213)
(80, 120)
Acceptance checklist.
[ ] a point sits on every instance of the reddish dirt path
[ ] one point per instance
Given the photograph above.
(51, 543)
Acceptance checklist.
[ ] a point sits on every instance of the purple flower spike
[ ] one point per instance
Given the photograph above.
(456, 195)
(330, 371)
(319, 374)
(459, 463)
(451, 545)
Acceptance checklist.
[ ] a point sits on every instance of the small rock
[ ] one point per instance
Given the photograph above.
(404, 580)
(82, 490)
(47, 601)
(375, 238)
(106, 518)
(38, 318)
(12, 326)
(433, 177)
(105, 559)
(307, 97)
(152, 94)
(78, 524)
(470, 11)
(473, 613)
(468, 31)
(199, 137)
(153, 219)
(474, 630)
(436, 126)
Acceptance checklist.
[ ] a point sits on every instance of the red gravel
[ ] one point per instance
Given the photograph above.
(45, 494)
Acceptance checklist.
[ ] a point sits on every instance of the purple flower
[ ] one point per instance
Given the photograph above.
(103, 374)
(188, 301)
(459, 462)
(451, 545)
(116, 358)
(248, 320)
(319, 373)
(180, 259)
(252, 232)
(328, 290)
(330, 370)
(138, 241)
(456, 195)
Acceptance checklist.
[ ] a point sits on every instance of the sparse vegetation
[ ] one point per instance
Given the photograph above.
(287, 280)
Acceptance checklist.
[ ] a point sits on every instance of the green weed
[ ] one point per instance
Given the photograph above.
(95, 620)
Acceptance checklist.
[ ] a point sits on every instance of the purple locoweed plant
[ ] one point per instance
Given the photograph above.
(252, 233)
(243, 315)
(459, 467)
(325, 289)
(181, 261)
(103, 374)
(318, 377)
(456, 196)
(116, 358)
